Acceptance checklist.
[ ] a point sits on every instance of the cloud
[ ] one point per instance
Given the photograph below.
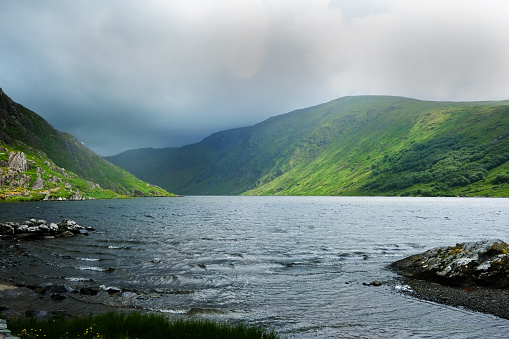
(128, 74)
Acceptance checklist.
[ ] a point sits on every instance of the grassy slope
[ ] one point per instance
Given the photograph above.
(365, 159)
(350, 146)
(23, 130)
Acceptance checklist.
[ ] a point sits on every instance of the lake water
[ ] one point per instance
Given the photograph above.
(295, 265)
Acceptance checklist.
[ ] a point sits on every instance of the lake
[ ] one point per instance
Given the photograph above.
(295, 265)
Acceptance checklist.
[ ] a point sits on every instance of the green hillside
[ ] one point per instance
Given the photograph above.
(65, 166)
(366, 145)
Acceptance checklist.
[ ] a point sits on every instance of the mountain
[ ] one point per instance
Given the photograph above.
(38, 162)
(364, 145)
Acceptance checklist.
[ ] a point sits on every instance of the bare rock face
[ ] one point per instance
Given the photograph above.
(76, 196)
(481, 263)
(22, 180)
(18, 162)
(38, 183)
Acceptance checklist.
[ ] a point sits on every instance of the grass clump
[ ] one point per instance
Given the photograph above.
(129, 326)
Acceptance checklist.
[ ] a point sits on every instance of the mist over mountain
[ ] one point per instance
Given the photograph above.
(361, 145)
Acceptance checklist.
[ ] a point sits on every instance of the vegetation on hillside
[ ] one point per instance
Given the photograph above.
(367, 145)
(64, 163)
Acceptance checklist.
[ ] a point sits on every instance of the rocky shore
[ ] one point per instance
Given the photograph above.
(472, 275)
(40, 229)
(26, 294)
(41, 298)
(19, 297)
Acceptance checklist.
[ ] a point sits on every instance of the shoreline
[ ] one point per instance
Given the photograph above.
(25, 296)
(20, 296)
(486, 300)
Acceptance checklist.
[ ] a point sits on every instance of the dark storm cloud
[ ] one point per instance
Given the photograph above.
(129, 74)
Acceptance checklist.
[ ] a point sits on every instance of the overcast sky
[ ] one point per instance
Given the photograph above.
(154, 73)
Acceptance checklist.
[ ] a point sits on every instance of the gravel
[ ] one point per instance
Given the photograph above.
(481, 299)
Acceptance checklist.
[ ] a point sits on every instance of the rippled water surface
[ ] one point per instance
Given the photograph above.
(292, 264)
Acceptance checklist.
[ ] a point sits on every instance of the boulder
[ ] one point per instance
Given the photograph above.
(6, 229)
(36, 313)
(58, 296)
(481, 263)
(70, 225)
(53, 227)
(66, 234)
(89, 291)
(38, 183)
(76, 195)
(39, 228)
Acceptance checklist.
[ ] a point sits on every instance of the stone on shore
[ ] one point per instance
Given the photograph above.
(482, 263)
(39, 229)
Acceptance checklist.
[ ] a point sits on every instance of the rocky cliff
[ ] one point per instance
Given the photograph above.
(38, 162)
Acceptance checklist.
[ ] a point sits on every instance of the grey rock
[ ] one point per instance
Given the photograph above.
(21, 180)
(53, 227)
(89, 291)
(76, 195)
(58, 296)
(70, 225)
(481, 263)
(34, 229)
(36, 313)
(66, 234)
(38, 183)
(6, 229)
(18, 162)
(44, 228)
(113, 290)
(22, 229)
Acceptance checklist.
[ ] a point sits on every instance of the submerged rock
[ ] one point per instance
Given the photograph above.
(481, 263)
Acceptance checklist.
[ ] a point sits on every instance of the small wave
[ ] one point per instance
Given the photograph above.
(94, 268)
(78, 279)
(88, 259)
(192, 311)
(172, 311)
(403, 288)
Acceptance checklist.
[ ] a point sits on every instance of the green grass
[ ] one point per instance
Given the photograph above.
(367, 145)
(129, 326)
(24, 130)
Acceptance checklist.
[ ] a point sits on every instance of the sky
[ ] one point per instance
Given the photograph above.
(124, 74)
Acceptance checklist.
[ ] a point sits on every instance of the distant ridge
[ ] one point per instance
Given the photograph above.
(360, 145)
(38, 162)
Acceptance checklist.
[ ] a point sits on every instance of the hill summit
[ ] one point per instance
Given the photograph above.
(363, 145)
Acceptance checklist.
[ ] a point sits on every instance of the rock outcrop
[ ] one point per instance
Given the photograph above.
(37, 229)
(482, 263)
(18, 162)
(38, 183)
